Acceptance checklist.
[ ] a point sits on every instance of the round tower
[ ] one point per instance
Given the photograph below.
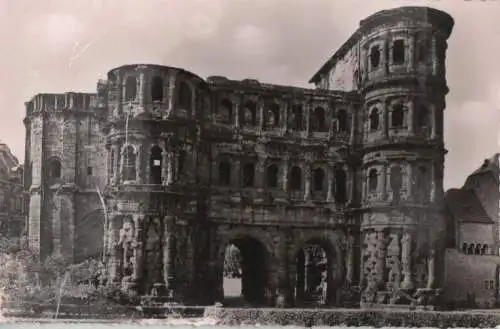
(403, 84)
(151, 198)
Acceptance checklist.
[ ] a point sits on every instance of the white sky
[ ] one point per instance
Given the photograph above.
(63, 45)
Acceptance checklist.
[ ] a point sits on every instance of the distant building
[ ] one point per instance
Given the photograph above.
(12, 208)
(473, 253)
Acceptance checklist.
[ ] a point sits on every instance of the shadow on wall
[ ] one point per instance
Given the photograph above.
(89, 236)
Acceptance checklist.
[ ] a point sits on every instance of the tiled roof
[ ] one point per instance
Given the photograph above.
(489, 166)
(465, 207)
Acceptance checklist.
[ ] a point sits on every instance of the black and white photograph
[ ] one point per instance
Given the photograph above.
(273, 163)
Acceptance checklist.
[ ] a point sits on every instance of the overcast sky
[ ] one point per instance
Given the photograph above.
(67, 45)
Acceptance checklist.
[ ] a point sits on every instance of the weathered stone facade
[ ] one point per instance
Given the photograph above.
(188, 166)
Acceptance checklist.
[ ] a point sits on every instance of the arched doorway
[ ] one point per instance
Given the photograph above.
(314, 283)
(245, 272)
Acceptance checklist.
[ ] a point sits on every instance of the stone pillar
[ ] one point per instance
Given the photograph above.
(435, 59)
(142, 91)
(171, 90)
(307, 116)
(329, 178)
(349, 182)
(114, 262)
(138, 248)
(433, 121)
(385, 119)
(286, 166)
(409, 179)
(164, 166)
(352, 135)
(237, 107)
(431, 266)
(262, 118)
(284, 116)
(350, 256)
(169, 254)
(307, 181)
(393, 261)
(119, 99)
(261, 172)
(138, 167)
(432, 195)
(383, 177)
(411, 53)
(406, 242)
(236, 173)
(411, 115)
(116, 163)
(307, 268)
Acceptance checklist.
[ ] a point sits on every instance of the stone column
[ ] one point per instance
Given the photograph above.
(352, 135)
(236, 173)
(116, 162)
(307, 180)
(164, 166)
(284, 179)
(383, 177)
(284, 117)
(114, 262)
(349, 182)
(435, 59)
(406, 242)
(237, 107)
(432, 196)
(393, 261)
(119, 97)
(142, 91)
(329, 178)
(385, 119)
(307, 116)
(409, 178)
(169, 254)
(350, 256)
(307, 266)
(138, 248)
(411, 115)
(411, 53)
(261, 172)
(433, 120)
(431, 268)
(262, 120)
(138, 167)
(171, 90)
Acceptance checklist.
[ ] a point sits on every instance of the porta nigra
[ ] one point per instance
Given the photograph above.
(335, 190)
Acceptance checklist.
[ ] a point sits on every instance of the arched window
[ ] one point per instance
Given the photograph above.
(397, 116)
(342, 119)
(318, 179)
(375, 56)
(248, 117)
(374, 120)
(464, 248)
(422, 117)
(372, 180)
(157, 89)
(272, 176)
(318, 120)
(55, 169)
(155, 164)
(130, 88)
(273, 115)
(296, 117)
(129, 159)
(185, 96)
(226, 111)
(340, 186)
(396, 182)
(224, 173)
(398, 51)
(248, 175)
(295, 178)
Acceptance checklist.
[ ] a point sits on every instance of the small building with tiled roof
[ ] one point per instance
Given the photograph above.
(472, 258)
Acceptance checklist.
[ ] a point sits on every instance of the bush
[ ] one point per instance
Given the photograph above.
(353, 318)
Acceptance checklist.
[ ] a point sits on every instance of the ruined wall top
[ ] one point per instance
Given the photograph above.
(59, 102)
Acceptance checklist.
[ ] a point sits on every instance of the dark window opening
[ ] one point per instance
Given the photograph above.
(396, 182)
(295, 179)
(342, 120)
(89, 171)
(374, 120)
(185, 96)
(224, 173)
(181, 162)
(157, 89)
(478, 249)
(248, 117)
(340, 186)
(155, 164)
(129, 171)
(375, 56)
(318, 120)
(226, 111)
(112, 162)
(55, 169)
(484, 249)
(398, 52)
(397, 116)
(272, 176)
(296, 119)
(372, 180)
(273, 115)
(130, 89)
(470, 250)
(318, 179)
(248, 175)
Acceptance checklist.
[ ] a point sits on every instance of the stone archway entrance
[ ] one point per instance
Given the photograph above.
(315, 284)
(245, 272)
